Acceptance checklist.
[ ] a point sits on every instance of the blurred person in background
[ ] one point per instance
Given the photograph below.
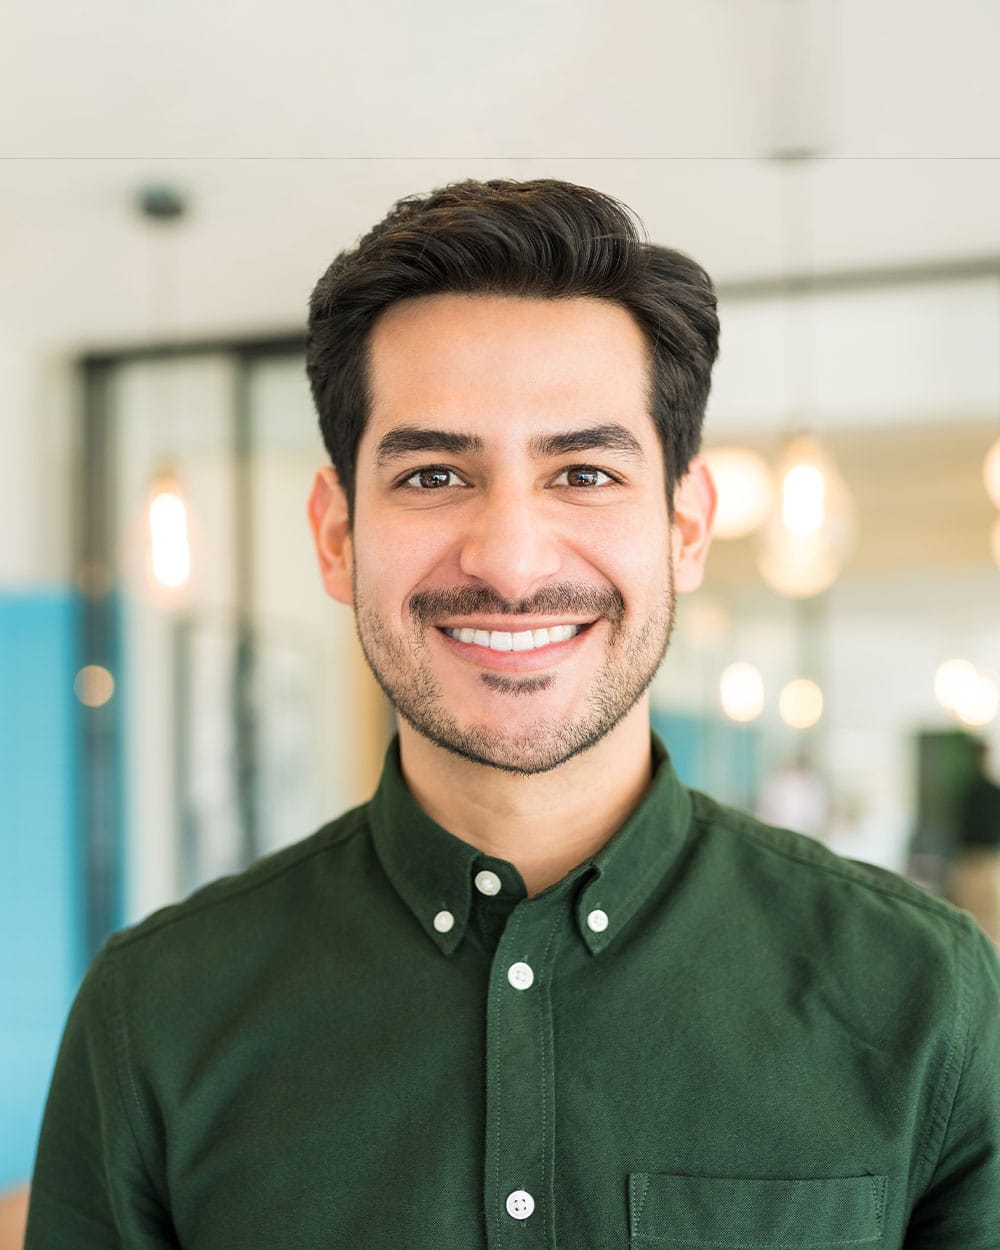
(974, 879)
(536, 992)
(793, 795)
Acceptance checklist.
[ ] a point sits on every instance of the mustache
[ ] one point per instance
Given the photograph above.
(562, 598)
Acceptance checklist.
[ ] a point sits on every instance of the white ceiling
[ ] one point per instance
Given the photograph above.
(649, 78)
(293, 126)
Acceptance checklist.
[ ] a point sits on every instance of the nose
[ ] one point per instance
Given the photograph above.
(510, 545)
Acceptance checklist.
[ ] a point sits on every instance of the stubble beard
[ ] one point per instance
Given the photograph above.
(402, 668)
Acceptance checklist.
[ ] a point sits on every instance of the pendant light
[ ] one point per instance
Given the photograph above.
(810, 531)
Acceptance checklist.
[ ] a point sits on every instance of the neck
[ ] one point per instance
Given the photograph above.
(544, 824)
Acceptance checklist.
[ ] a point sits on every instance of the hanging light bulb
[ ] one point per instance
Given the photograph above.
(803, 496)
(991, 473)
(808, 538)
(169, 545)
(745, 490)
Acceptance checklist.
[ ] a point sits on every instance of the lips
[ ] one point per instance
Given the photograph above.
(520, 640)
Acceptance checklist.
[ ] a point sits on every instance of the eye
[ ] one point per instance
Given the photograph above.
(583, 476)
(434, 478)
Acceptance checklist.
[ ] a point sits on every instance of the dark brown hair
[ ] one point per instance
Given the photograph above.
(541, 239)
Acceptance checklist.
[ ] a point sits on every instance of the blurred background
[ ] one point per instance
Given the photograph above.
(177, 694)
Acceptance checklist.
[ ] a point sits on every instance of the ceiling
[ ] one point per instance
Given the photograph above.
(292, 127)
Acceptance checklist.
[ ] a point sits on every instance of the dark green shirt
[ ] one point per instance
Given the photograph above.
(712, 1035)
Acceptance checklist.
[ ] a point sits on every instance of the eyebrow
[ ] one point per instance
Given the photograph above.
(608, 437)
(410, 438)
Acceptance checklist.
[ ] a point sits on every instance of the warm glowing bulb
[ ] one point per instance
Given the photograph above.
(991, 473)
(982, 703)
(803, 500)
(741, 689)
(972, 695)
(798, 567)
(745, 490)
(955, 683)
(170, 550)
(801, 703)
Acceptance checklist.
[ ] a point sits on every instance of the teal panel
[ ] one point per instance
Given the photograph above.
(41, 879)
(712, 755)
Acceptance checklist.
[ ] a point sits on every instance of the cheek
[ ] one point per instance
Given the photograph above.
(397, 559)
(632, 556)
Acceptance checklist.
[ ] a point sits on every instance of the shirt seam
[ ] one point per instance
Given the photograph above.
(930, 1155)
(125, 1080)
(515, 925)
(545, 1005)
(857, 877)
(236, 886)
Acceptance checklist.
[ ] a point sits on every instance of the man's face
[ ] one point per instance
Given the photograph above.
(511, 560)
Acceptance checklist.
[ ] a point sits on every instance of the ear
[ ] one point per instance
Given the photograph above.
(694, 512)
(331, 528)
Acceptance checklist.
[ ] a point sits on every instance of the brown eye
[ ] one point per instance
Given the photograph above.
(432, 479)
(583, 476)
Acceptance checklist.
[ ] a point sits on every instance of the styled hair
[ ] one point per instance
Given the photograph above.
(540, 239)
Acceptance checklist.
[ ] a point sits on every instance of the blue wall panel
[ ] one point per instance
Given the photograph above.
(712, 754)
(41, 873)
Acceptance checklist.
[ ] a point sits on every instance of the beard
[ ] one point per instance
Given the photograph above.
(402, 667)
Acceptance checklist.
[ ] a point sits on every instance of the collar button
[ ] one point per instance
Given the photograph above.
(597, 921)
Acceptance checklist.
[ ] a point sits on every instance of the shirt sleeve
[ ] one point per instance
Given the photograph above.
(960, 1208)
(91, 1188)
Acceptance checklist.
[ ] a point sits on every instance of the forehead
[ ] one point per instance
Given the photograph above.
(507, 367)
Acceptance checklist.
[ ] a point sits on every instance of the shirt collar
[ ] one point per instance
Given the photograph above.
(433, 871)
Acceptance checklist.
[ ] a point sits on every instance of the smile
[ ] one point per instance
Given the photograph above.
(523, 640)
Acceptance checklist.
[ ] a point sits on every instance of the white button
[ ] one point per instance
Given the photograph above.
(520, 1204)
(597, 921)
(444, 922)
(521, 977)
(487, 882)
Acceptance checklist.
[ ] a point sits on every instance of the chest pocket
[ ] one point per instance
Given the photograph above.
(716, 1213)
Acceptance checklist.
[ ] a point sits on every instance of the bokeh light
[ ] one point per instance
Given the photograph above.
(801, 703)
(972, 695)
(169, 548)
(93, 685)
(991, 473)
(741, 689)
(745, 490)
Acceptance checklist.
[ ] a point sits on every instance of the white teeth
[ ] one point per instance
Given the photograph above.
(523, 640)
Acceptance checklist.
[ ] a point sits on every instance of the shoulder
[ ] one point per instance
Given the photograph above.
(865, 926)
(250, 908)
(806, 865)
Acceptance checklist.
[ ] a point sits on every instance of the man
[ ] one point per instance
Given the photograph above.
(536, 993)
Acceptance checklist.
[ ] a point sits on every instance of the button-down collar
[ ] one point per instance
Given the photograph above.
(434, 872)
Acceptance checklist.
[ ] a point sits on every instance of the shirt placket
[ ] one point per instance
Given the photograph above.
(520, 1097)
